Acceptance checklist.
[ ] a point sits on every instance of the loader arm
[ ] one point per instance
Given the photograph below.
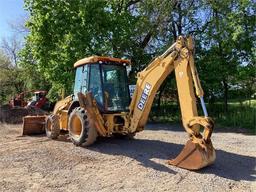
(178, 58)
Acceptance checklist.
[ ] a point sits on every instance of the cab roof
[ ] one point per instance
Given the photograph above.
(96, 59)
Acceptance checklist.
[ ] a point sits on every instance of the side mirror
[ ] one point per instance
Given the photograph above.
(128, 69)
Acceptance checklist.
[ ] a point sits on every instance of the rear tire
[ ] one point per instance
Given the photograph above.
(80, 127)
(52, 126)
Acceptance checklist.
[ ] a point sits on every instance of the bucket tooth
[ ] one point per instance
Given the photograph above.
(194, 157)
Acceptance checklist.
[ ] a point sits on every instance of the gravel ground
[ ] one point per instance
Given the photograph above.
(40, 164)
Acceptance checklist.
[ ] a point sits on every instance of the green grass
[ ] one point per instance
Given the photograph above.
(251, 103)
(239, 115)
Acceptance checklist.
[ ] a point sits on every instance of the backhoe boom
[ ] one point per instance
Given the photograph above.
(178, 58)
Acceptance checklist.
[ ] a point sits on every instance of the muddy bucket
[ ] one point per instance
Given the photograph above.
(33, 125)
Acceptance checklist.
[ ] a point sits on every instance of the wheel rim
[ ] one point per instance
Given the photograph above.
(76, 126)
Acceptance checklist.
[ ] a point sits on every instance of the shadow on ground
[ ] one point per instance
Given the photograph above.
(228, 165)
(233, 166)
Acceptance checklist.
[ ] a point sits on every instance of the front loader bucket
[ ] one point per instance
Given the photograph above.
(33, 125)
(194, 157)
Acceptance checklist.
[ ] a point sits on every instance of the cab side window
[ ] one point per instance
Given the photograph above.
(78, 81)
(81, 80)
(84, 87)
(95, 84)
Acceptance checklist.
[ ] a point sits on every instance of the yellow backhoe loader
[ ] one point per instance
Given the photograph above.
(101, 106)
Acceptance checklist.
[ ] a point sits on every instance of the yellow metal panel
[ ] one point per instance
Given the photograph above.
(186, 93)
(62, 104)
(149, 81)
(64, 119)
(113, 127)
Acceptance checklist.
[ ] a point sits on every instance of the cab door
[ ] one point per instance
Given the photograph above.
(81, 80)
(95, 84)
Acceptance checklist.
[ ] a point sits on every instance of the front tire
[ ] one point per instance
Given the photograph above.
(52, 126)
(81, 129)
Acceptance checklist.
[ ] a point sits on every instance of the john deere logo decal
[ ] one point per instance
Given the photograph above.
(144, 96)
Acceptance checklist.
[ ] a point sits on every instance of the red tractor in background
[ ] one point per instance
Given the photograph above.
(38, 100)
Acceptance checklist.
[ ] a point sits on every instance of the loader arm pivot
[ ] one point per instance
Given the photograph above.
(178, 58)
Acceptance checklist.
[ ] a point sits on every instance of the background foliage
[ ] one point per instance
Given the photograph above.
(61, 32)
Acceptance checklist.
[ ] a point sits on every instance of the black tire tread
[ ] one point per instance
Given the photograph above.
(55, 129)
(89, 134)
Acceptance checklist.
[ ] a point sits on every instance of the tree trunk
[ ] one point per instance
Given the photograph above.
(159, 99)
(225, 86)
(161, 90)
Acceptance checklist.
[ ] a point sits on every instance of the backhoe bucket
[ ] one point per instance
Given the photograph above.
(194, 157)
(33, 125)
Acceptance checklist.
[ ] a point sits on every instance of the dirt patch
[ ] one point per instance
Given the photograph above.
(14, 115)
(41, 164)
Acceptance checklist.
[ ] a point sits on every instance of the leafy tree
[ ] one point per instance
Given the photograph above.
(10, 81)
(227, 38)
(64, 31)
(11, 46)
(61, 32)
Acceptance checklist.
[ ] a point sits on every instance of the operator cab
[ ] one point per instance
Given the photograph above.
(38, 95)
(107, 79)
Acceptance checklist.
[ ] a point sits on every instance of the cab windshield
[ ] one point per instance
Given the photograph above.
(116, 93)
(107, 83)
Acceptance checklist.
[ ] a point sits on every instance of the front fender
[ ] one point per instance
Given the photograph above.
(73, 105)
(62, 104)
